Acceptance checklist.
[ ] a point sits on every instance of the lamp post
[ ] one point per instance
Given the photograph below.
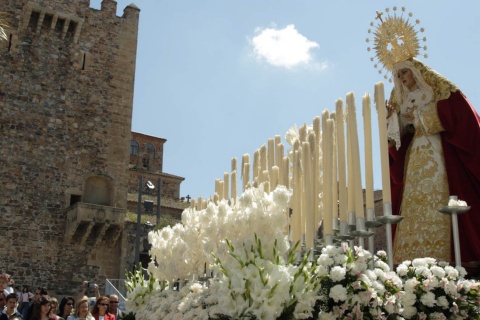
(148, 208)
(139, 222)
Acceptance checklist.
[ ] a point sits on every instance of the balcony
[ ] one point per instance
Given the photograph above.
(92, 224)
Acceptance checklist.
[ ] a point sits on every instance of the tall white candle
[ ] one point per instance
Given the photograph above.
(220, 190)
(308, 195)
(367, 129)
(350, 170)
(263, 158)
(382, 131)
(279, 153)
(271, 153)
(358, 194)
(234, 186)
(256, 164)
(274, 177)
(333, 116)
(246, 175)
(296, 219)
(342, 174)
(226, 184)
(286, 172)
(327, 177)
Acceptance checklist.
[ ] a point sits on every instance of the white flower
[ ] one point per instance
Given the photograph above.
(428, 299)
(337, 273)
(442, 302)
(338, 293)
(402, 270)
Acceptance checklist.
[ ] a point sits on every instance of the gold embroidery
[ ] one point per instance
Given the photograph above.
(431, 120)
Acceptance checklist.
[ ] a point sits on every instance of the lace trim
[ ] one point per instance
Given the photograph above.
(393, 130)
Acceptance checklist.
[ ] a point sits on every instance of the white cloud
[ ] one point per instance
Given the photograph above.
(284, 47)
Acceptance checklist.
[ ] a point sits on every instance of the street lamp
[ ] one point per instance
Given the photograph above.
(148, 208)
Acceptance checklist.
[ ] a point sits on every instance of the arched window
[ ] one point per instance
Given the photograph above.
(134, 148)
(150, 150)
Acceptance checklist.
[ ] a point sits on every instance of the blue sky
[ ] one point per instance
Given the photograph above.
(211, 80)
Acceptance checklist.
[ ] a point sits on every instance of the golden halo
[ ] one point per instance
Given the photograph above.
(395, 39)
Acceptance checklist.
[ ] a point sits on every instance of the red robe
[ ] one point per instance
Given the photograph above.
(461, 148)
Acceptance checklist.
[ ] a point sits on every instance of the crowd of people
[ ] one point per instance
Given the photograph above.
(21, 304)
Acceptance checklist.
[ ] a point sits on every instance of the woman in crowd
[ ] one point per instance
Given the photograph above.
(41, 309)
(100, 309)
(435, 152)
(66, 307)
(24, 301)
(54, 309)
(81, 311)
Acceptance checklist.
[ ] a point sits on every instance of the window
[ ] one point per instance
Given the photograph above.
(134, 148)
(150, 150)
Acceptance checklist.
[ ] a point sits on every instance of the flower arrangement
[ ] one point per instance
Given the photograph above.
(258, 275)
(437, 291)
(350, 289)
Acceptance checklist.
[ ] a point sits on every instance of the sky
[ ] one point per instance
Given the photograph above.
(218, 78)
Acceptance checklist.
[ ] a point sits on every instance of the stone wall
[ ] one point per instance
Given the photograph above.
(66, 95)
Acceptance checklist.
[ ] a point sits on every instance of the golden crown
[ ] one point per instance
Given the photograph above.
(395, 39)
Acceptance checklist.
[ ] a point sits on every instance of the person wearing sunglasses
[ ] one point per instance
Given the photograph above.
(66, 307)
(113, 307)
(100, 309)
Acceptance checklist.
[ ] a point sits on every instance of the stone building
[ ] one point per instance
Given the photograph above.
(66, 96)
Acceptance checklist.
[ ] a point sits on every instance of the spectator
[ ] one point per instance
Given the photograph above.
(24, 300)
(81, 310)
(5, 283)
(2, 300)
(39, 293)
(100, 309)
(87, 285)
(11, 307)
(42, 307)
(113, 307)
(66, 307)
(54, 309)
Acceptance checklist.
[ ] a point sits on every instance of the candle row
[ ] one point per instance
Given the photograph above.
(323, 169)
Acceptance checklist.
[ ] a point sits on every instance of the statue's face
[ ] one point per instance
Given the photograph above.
(406, 77)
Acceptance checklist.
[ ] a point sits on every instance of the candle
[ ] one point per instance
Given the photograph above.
(226, 183)
(308, 196)
(234, 164)
(274, 177)
(256, 164)
(278, 155)
(265, 176)
(246, 175)
(302, 133)
(217, 186)
(271, 153)
(199, 203)
(279, 161)
(234, 186)
(327, 176)
(358, 194)
(245, 159)
(382, 131)
(367, 129)
(220, 190)
(351, 182)
(333, 116)
(296, 217)
(286, 172)
(263, 158)
(342, 175)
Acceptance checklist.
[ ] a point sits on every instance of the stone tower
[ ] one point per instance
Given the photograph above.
(66, 94)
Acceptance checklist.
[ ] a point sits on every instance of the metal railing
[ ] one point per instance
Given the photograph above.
(117, 286)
